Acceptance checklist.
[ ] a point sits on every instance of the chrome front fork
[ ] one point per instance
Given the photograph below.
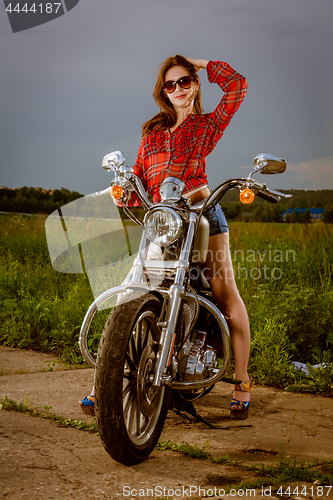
(176, 294)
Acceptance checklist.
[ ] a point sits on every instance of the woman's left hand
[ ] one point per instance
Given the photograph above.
(198, 63)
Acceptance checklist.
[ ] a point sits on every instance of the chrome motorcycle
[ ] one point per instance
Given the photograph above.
(165, 339)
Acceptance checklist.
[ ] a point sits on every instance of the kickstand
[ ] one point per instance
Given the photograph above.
(180, 405)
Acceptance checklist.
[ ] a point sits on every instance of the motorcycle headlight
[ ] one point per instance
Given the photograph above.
(163, 226)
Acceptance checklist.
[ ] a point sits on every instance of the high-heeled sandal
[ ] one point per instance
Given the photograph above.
(240, 409)
(88, 405)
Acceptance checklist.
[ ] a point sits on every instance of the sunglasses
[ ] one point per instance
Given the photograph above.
(184, 82)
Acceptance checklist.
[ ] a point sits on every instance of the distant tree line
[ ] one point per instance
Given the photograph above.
(263, 211)
(270, 213)
(328, 216)
(301, 198)
(38, 200)
(35, 200)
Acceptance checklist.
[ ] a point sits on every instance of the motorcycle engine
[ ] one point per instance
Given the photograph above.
(197, 360)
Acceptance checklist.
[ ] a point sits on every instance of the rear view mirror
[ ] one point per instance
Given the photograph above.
(113, 161)
(269, 164)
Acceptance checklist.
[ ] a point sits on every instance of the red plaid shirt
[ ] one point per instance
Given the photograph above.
(182, 153)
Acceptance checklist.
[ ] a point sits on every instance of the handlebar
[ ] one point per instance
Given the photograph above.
(272, 195)
(267, 197)
(278, 193)
(133, 182)
(260, 189)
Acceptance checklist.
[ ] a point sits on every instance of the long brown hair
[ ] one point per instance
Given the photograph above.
(167, 117)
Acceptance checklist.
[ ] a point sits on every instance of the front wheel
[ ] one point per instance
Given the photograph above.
(130, 413)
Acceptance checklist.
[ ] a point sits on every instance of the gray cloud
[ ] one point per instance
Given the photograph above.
(83, 86)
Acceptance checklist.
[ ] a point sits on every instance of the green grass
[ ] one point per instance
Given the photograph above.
(283, 470)
(45, 413)
(283, 272)
(39, 308)
(291, 317)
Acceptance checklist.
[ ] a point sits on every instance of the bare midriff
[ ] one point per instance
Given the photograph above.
(198, 196)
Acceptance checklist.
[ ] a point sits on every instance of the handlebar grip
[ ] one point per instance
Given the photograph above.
(267, 197)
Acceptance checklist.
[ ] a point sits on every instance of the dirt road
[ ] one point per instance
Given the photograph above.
(41, 460)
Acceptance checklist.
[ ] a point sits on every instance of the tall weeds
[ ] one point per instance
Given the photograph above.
(283, 272)
(39, 308)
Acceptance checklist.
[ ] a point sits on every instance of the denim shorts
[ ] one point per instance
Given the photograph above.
(217, 221)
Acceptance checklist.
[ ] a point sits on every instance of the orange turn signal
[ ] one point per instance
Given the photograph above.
(116, 192)
(246, 196)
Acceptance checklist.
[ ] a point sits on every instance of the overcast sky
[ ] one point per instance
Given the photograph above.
(79, 87)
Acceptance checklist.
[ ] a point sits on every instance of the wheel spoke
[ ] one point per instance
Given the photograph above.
(138, 344)
(138, 418)
(130, 364)
(127, 388)
(128, 404)
(144, 337)
(145, 421)
(131, 414)
(133, 348)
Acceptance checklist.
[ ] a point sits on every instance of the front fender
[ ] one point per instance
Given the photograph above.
(83, 338)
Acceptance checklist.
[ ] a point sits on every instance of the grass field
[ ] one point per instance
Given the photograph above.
(283, 271)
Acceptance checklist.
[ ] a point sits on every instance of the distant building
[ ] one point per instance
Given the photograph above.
(315, 213)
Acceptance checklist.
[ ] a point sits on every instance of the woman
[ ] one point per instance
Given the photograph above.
(175, 143)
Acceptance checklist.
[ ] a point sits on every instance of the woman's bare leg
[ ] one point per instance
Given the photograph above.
(218, 268)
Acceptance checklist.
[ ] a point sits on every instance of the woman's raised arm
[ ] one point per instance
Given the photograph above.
(198, 63)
